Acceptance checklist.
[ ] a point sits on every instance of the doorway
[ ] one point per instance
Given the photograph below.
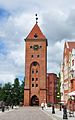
(34, 101)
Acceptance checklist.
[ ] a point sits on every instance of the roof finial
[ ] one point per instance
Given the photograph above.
(36, 18)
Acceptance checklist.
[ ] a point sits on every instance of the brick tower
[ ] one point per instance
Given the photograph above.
(35, 67)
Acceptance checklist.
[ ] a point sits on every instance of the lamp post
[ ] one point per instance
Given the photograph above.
(58, 96)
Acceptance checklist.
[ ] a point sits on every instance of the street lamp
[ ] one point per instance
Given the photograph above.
(58, 96)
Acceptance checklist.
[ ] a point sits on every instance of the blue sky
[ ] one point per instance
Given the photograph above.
(56, 20)
(3, 13)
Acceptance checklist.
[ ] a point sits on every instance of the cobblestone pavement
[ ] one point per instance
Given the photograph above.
(26, 113)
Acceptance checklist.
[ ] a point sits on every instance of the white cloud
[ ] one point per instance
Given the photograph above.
(57, 21)
(7, 78)
(2, 34)
(17, 57)
(55, 56)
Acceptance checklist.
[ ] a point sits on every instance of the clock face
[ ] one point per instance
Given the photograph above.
(35, 47)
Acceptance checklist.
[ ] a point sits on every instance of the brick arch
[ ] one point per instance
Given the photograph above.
(34, 66)
(34, 79)
(34, 100)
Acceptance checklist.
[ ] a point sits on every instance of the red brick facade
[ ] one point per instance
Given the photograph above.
(35, 67)
(38, 86)
(68, 67)
(69, 73)
(52, 82)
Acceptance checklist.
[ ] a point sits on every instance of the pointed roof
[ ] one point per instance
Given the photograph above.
(71, 45)
(36, 33)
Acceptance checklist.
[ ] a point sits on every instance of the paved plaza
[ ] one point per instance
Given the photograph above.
(32, 113)
(24, 113)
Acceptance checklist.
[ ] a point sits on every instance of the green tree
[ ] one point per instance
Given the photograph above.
(1, 92)
(6, 93)
(16, 91)
(22, 92)
(12, 94)
(58, 96)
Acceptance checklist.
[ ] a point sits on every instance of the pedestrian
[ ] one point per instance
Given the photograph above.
(65, 112)
(46, 105)
(42, 106)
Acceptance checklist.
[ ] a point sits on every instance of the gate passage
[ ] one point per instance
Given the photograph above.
(34, 100)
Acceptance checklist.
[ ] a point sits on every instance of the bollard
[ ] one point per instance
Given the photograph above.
(12, 106)
(2, 108)
(65, 113)
(60, 106)
(53, 110)
(42, 106)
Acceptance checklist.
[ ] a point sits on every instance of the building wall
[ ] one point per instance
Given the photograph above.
(35, 69)
(66, 71)
(37, 82)
(62, 83)
(72, 69)
(68, 67)
(52, 87)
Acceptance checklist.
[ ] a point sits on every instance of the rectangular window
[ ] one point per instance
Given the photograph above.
(36, 85)
(40, 46)
(30, 46)
(32, 71)
(32, 56)
(32, 79)
(36, 79)
(38, 56)
(32, 85)
(36, 71)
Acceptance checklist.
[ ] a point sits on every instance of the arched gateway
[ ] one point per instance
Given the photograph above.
(34, 100)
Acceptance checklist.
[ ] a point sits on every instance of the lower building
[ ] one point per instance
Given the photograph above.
(52, 85)
(69, 74)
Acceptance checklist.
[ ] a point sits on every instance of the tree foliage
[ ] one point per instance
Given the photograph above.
(58, 89)
(12, 94)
